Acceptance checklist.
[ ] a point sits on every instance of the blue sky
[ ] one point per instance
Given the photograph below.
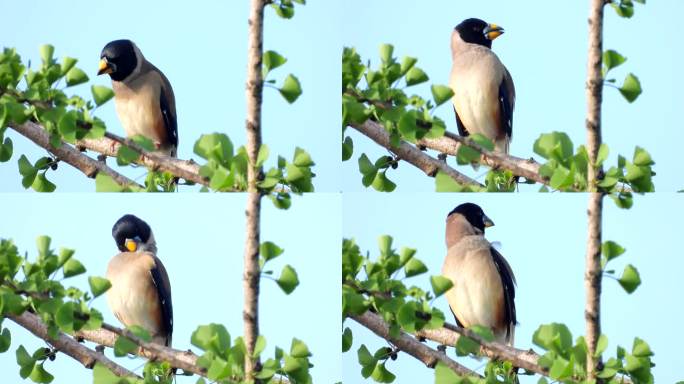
(200, 239)
(544, 48)
(543, 237)
(202, 50)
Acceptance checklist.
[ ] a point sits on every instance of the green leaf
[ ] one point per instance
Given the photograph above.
(631, 88)
(5, 338)
(611, 250)
(612, 59)
(42, 184)
(416, 76)
(67, 64)
(269, 250)
(347, 339)
(259, 346)
(123, 346)
(553, 337)
(466, 346)
(73, 267)
(271, 61)
(382, 184)
(630, 279)
(414, 267)
(601, 345)
(27, 170)
(288, 280)
(75, 76)
(441, 93)
(105, 183)
(98, 285)
(366, 360)
(211, 337)
(291, 89)
(445, 375)
(101, 94)
(386, 52)
(299, 349)
(46, 52)
(126, 155)
(263, 155)
(382, 375)
(641, 349)
(25, 361)
(440, 285)
(64, 318)
(40, 375)
(214, 146)
(445, 183)
(347, 148)
(43, 246)
(642, 157)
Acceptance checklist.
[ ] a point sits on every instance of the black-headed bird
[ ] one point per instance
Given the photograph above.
(141, 291)
(484, 94)
(484, 285)
(143, 95)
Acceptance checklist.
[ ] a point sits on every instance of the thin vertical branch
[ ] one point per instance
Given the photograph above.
(592, 280)
(254, 88)
(592, 276)
(594, 89)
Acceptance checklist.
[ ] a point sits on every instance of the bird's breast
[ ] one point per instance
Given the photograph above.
(475, 79)
(133, 296)
(477, 295)
(137, 105)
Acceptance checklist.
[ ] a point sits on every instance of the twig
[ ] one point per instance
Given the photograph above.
(413, 155)
(410, 345)
(68, 345)
(90, 167)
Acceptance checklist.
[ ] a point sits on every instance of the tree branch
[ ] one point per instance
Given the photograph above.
(90, 167)
(68, 345)
(109, 146)
(411, 154)
(592, 281)
(254, 89)
(594, 89)
(450, 143)
(410, 345)
(592, 276)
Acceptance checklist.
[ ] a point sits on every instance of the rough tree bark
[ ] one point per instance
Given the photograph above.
(592, 276)
(254, 89)
(68, 345)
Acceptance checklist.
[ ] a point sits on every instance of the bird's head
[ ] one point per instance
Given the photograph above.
(132, 234)
(474, 215)
(119, 59)
(476, 31)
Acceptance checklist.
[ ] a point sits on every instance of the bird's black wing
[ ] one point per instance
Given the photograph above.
(169, 114)
(161, 281)
(507, 103)
(508, 283)
(461, 128)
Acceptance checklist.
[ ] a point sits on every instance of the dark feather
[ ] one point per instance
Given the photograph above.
(507, 103)
(161, 281)
(508, 283)
(170, 122)
(461, 128)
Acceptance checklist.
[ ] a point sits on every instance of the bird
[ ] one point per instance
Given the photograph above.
(483, 291)
(141, 291)
(143, 96)
(484, 94)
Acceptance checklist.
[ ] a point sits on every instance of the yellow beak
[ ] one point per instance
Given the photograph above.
(131, 245)
(487, 221)
(104, 67)
(493, 31)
